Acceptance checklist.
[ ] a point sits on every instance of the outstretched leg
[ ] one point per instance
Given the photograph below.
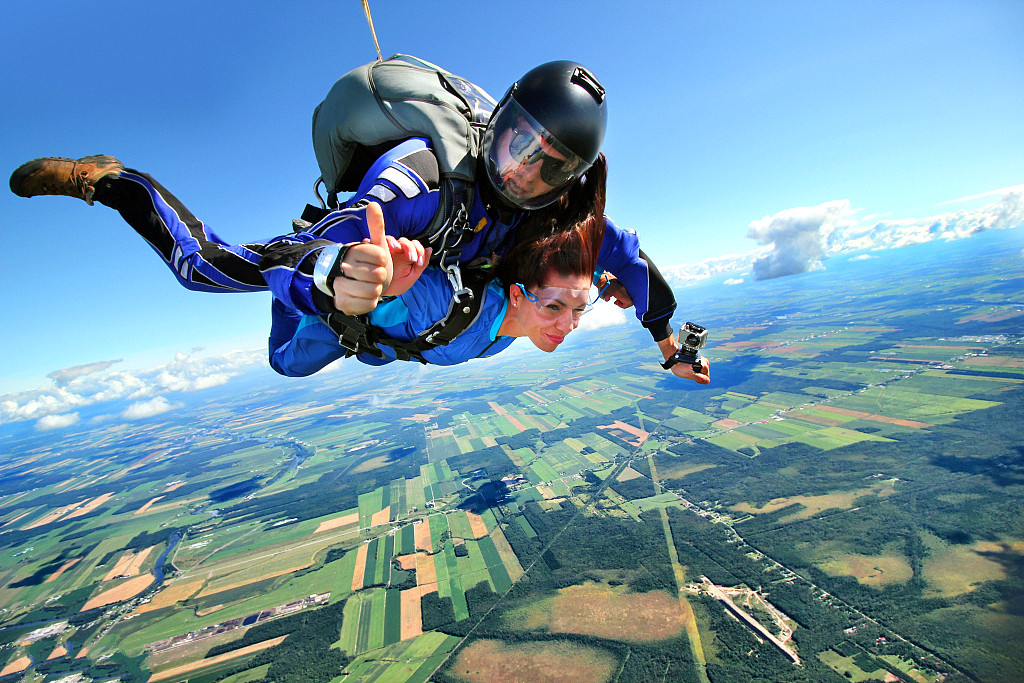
(199, 259)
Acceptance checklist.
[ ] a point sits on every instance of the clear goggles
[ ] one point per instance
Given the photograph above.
(553, 302)
(514, 140)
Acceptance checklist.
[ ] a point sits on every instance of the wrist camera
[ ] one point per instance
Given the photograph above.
(692, 338)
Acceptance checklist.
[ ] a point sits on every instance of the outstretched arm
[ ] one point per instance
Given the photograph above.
(637, 282)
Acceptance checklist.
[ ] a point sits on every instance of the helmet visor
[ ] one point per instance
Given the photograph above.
(526, 164)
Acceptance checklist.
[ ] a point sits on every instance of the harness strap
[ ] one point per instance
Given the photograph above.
(358, 336)
(449, 229)
(354, 333)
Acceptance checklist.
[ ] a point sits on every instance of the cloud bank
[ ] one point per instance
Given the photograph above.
(1008, 212)
(802, 239)
(65, 375)
(692, 273)
(76, 387)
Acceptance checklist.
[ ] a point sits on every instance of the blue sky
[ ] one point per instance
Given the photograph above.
(799, 129)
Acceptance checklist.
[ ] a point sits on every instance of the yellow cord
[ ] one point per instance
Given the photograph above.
(369, 20)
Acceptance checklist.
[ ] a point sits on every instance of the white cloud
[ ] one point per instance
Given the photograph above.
(188, 373)
(31, 405)
(692, 273)
(991, 193)
(110, 387)
(798, 237)
(56, 421)
(1007, 212)
(734, 281)
(144, 409)
(65, 375)
(214, 380)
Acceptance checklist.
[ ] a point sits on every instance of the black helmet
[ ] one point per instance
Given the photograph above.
(556, 115)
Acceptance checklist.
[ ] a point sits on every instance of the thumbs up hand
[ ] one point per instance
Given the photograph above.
(380, 265)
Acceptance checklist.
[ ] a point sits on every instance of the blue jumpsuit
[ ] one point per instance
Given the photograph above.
(302, 344)
(404, 183)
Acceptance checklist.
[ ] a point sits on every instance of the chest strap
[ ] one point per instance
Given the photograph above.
(357, 335)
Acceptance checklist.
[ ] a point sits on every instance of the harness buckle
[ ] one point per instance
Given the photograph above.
(455, 278)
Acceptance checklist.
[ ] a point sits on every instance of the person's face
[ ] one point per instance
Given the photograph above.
(554, 311)
(523, 179)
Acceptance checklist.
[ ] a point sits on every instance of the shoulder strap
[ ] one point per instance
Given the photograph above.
(451, 220)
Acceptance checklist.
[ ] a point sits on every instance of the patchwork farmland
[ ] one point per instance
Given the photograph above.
(850, 474)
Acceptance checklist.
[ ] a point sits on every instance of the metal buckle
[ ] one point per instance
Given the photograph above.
(454, 230)
(455, 277)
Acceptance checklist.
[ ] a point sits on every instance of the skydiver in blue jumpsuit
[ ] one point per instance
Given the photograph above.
(404, 183)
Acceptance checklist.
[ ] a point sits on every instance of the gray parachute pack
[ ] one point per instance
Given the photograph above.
(378, 105)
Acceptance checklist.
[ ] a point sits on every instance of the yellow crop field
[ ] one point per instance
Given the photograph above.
(870, 570)
(606, 612)
(491, 661)
(128, 589)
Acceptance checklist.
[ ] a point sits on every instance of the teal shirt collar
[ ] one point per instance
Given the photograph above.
(500, 318)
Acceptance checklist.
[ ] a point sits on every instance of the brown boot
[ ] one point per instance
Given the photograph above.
(61, 176)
